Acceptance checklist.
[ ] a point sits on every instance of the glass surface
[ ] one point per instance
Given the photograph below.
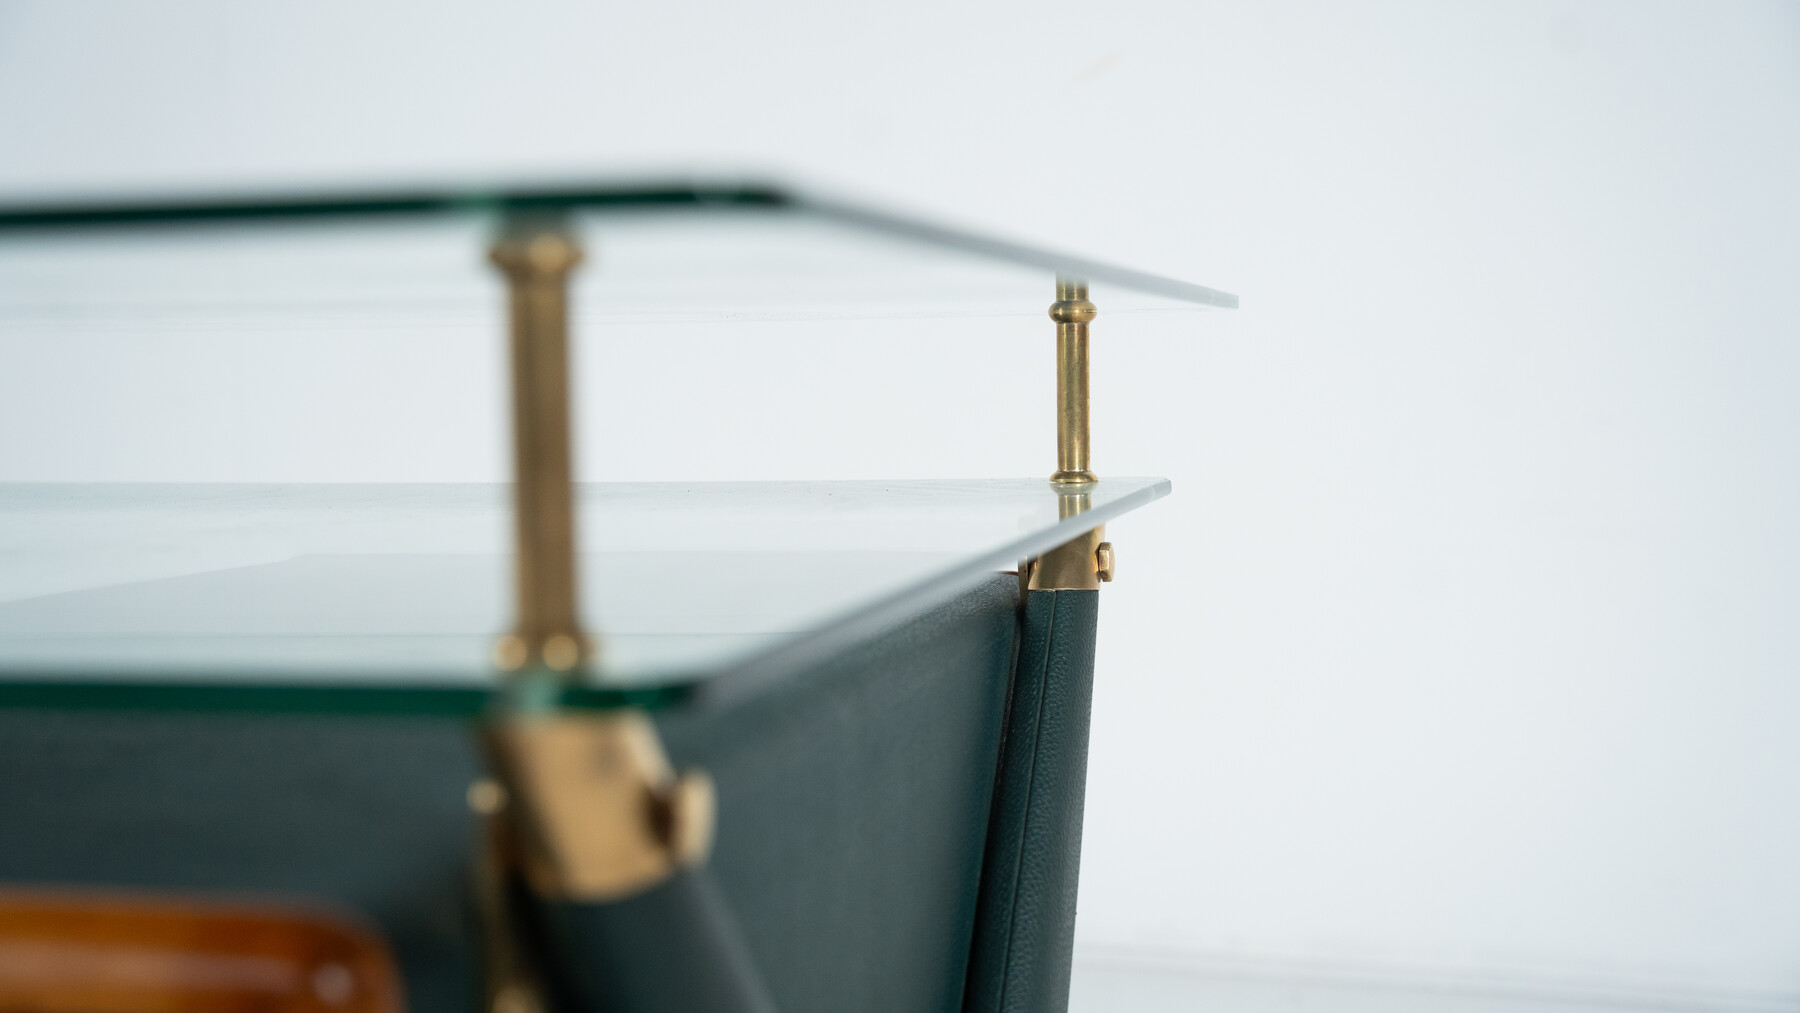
(389, 597)
(719, 267)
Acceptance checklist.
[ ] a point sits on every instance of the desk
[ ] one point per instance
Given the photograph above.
(302, 691)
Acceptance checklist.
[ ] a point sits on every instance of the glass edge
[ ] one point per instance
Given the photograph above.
(1060, 264)
(863, 623)
(275, 697)
(302, 206)
(528, 200)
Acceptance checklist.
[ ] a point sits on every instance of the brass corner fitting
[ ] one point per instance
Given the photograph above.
(593, 808)
(537, 258)
(1081, 564)
(584, 809)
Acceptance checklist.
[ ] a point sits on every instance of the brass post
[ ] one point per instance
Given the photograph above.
(1086, 562)
(1072, 312)
(537, 259)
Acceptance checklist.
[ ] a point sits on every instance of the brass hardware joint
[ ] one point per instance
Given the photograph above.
(1081, 564)
(594, 810)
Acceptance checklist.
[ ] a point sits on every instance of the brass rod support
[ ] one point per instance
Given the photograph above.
(537, 259)
(1072, 312)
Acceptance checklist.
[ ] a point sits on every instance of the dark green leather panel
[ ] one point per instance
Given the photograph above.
(672, 949)
(366, 813)
(1025, 931)
(853, 809)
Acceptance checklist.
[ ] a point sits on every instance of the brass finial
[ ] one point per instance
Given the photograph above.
(537, 259)
(1072, 313)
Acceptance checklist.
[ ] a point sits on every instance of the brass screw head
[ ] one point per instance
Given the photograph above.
(561, 652)
(689, 809)
(1103, 561)
(511, 653)
(486, 797)
(515, 998)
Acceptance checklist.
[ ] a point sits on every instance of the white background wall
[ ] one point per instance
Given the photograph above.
(1469, 642)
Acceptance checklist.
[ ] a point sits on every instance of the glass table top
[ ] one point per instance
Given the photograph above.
(389, 597)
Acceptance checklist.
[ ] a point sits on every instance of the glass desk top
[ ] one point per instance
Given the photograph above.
(389, 597)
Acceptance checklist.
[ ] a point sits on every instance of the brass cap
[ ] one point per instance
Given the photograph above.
(1072, 311)
(541, 254)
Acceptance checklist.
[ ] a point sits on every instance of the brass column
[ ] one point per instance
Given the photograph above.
(537, 259)
(583, 808)
(1072, 312)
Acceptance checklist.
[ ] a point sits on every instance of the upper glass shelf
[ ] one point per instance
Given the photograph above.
(671, 253)
(390, 597)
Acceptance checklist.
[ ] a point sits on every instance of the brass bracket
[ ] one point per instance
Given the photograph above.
(1081, 564)
(581, 808)
(595, 811)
